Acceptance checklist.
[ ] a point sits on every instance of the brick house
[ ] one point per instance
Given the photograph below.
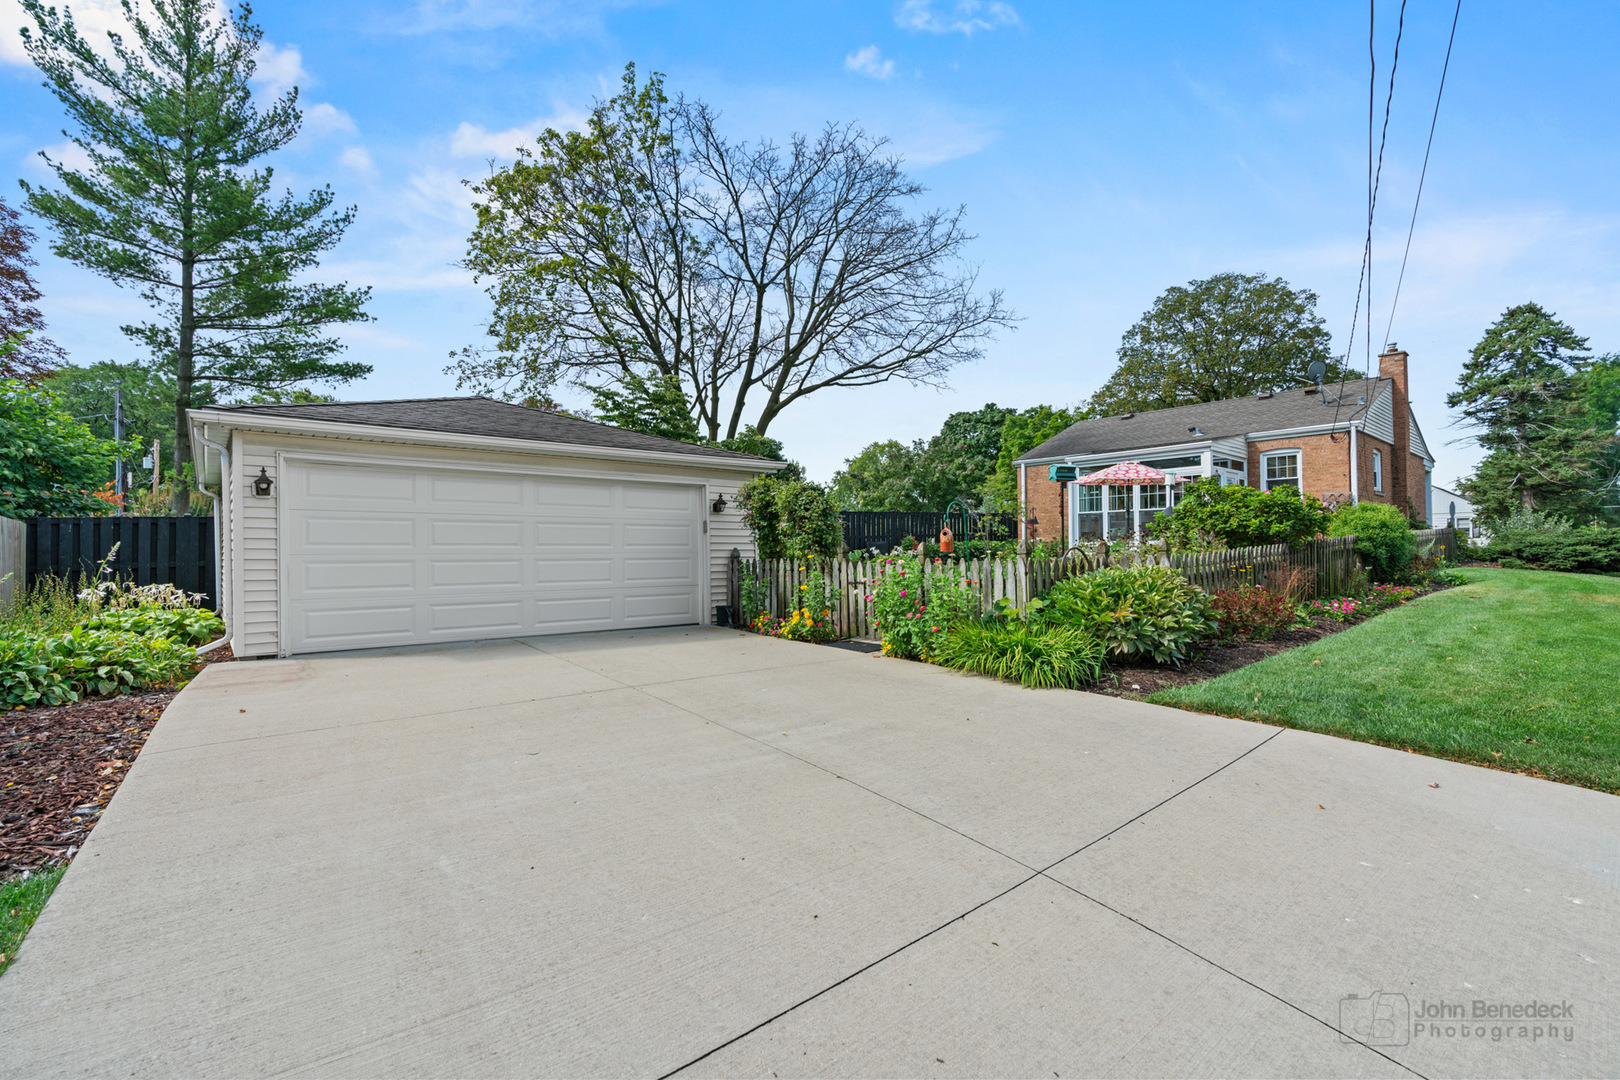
(1355, 442)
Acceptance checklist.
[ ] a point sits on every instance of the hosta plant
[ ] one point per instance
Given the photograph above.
(192, 625)
(1138, 612)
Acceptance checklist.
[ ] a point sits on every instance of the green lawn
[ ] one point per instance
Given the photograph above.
(1516, 669)
(21, 901)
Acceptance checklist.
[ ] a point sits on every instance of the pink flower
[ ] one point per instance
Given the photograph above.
(902, 592)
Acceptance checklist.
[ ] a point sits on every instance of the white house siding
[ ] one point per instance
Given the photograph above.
(256, 566)
(1380, 419)
(1419, 447)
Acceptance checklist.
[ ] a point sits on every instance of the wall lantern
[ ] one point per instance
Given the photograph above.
(719, 504)
(262, 484)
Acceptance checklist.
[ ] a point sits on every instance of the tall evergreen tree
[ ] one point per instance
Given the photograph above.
(172, 204)
(1524, 388)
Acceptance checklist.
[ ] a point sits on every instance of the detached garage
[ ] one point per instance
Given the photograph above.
(356, 525)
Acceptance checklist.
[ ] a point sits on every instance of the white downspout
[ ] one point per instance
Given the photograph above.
(222, 524)
(1355, 468)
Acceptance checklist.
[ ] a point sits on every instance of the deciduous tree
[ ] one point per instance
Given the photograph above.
(21, 323)
(652, 246)
(1226, 336)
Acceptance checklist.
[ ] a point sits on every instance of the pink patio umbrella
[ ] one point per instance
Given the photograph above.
(1126, 472)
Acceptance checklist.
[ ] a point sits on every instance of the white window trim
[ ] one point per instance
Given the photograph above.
(1378, 471)
(1265, 458)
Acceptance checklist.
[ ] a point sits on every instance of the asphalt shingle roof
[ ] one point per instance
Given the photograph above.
(484, 416)
(1216, 419)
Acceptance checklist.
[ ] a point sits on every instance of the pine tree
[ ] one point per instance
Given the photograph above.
(173, 206)
(1523, 387)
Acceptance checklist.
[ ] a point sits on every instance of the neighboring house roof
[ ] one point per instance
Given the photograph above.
(1281, 411)
(487, 417)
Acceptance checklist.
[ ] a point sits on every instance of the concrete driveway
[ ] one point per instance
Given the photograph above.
(710, 853)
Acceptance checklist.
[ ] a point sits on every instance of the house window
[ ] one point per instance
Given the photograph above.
(1088, 517)
(1281, 469)
(1378, 471)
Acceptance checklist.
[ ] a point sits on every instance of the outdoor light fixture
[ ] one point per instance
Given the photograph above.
(262, 483)
(719, 505)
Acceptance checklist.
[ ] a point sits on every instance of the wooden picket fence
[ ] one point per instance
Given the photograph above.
(1331, 560)
(1014, 579)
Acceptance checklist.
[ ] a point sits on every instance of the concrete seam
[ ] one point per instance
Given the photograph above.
(1227, 971)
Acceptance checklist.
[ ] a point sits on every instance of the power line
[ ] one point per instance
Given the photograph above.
(1374, 179)
(1425, 172)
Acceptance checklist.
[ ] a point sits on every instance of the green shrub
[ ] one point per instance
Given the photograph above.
(790, 519)
(1383, 537)
(1590, 549)
(1138, 611)
(54, 670)
(1035, 655)
(192, 625)
(916, 603)
(1210, 514)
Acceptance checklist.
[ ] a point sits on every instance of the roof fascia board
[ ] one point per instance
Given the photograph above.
(284, 425)
(1309, 429)
(1114, 455)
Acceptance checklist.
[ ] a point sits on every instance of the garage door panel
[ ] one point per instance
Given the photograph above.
(670, 605)
(581, 534)
(573, 494)
(491, 618)
(463, 490)
(661, 571)
(329, 530)
(461, 573)
(327, 576)
(577, 612)
(355, 625)
(449, 532)
(662, 537)
(380, 556)
(650, 497)
(580, 571)
(344, 486)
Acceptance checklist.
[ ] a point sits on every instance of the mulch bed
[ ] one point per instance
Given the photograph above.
(60, 766)
(1209, 659)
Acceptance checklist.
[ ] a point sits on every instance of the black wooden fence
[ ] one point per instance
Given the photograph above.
(175, 551)
(885, 529)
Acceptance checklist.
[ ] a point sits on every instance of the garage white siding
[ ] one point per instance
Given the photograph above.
(379, 555)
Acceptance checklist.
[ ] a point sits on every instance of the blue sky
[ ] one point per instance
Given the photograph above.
(1103, 152)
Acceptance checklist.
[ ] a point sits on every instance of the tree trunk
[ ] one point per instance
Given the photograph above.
(181, 502)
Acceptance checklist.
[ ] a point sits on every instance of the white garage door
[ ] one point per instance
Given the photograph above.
(390, 556)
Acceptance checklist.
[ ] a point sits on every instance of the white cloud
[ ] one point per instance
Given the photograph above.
(553, 17)
(358, 158)
(935, 137)
(869, 61)
(92, 17)
(280, 69)
(961, 17)
(66, 153)
(324, 119)
(477, 141)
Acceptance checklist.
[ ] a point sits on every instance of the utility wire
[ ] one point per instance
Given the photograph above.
(1374, 179)
(1425, 172)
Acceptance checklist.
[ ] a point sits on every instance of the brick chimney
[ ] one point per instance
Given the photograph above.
(1392, 365)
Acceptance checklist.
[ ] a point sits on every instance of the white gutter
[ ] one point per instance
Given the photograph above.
(343, 429)
(1110, 456)
(1355, 468)
(222, 524)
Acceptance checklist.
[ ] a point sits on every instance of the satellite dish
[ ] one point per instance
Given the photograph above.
(1317, 371)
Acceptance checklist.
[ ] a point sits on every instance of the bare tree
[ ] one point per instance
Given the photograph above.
(754, 274)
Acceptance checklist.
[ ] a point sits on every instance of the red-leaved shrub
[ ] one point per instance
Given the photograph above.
(1250, 612)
